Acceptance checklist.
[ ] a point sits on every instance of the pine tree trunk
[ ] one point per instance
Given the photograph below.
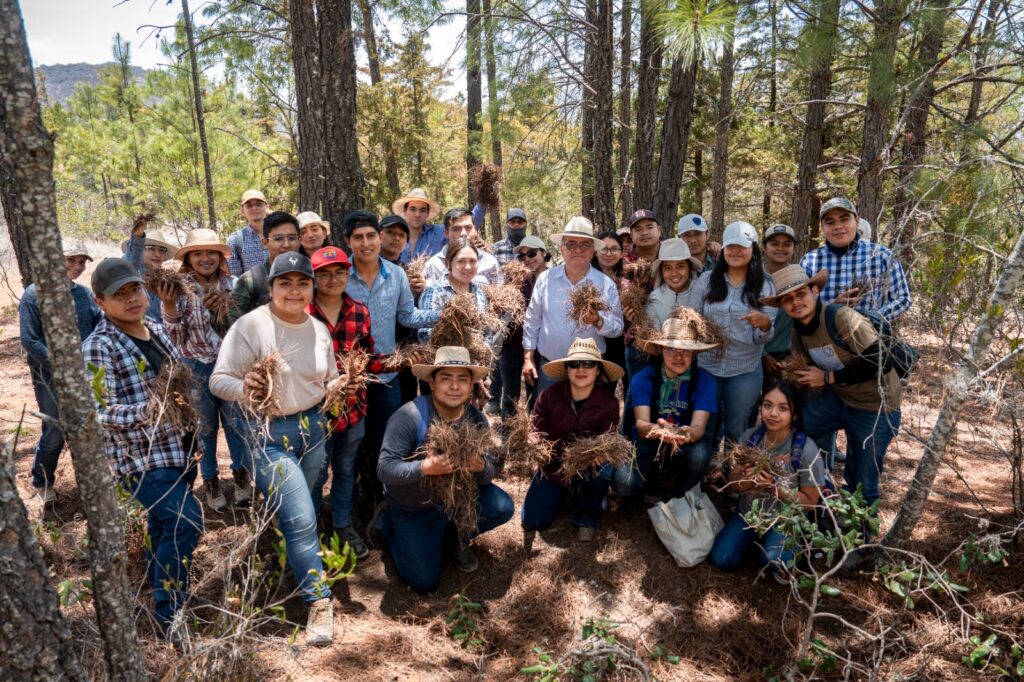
(474, 94)
(373, 59)
(648, 79)
(306, 62)
(674, 138)
(604, 100)
(699, 181)
(957, 390)
(23, 137)
(625, 101)
(493, 111)
(12, 215)
(773, 99)
(720, 172)
(587, 112)
(197, 98)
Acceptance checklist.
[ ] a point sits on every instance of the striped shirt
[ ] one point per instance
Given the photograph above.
(246, 251)
(888, 292)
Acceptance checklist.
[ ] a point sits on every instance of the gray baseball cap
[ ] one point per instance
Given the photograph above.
(837, 202)
(111, 274)
(531, 242)
(779, 228)
(515, 213)
(291, 262)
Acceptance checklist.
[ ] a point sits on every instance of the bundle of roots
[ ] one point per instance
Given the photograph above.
(634, 298)
(702, 329)
(525, 449)
(347, 391)
(584, 301)
(219, 303)
(584, 453)
(485, 181)
(414, 268)
(669, 431)
(180, 284)
(787, 369)
(639, 274)
(515, 272)
(406, 354)
(756, 461)
(265, 401)
(506, 302)
(142, 219)
(170, 398)
(643, 334)
(463, 324)
(463, 445)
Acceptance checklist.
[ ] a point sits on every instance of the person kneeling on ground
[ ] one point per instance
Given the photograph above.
(575, 407)
(409, 523)
(670, 403)
(779, 433)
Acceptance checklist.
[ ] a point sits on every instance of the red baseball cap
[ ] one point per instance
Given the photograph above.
(330, 255)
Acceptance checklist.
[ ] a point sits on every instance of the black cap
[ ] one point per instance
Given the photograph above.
(515, 213)
(112, 274)
(357, 219)
(394, 221)
(289, 262)
(642, 214)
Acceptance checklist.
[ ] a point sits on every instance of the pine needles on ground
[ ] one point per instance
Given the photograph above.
(463, 445)
(265, 402)
(584, 453)
(170, 397)
(585, 300)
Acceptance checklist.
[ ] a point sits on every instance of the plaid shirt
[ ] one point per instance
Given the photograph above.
(133, 446)
(436, 297)
(352, 329)
(246, 251)
(888, 291)
(192, 330)
(504, 251)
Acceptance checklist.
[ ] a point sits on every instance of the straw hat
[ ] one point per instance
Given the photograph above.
(450, 356)
(202, 239)
(791, 278)
(583, 349)
(578, 227)
(156, 238)
(398, 205)
(307, 218)
(673, 249)
(677, 334)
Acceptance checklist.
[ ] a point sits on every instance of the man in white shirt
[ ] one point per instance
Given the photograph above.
(458, 223)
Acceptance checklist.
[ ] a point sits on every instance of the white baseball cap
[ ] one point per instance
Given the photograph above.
(691, 221)
(739, 233)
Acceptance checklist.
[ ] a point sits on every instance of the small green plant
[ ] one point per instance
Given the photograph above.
(906, 579)
(660, 653)
(819, 659)
(461, 621)
(339, 560)
(96, 381)
(546, 669)
(987, 655)
(986, 551)
(71, 592)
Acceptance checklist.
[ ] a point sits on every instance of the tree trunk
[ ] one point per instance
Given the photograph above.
(773, 99)
(12, 214)
(23, 137)
(493, 111)
(699, 181)
(956, 391)
(674, 138)
(646, 106)
(306, 61)
(881, 99)
(818, 42)
(981, 51)
(625, 100)
(373, 58)
(197, 98)
(721, 168)
(604, 99)
(474, 95)
(588, 105)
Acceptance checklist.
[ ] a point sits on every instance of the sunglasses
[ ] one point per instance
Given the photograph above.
(532, 253)
(584, 364)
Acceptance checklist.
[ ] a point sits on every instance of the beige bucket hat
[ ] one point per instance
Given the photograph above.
(417, 194)
(673, 249)
(583, 350)
(676, 333)
(577, 226)
(791, 278)
(307, 218)
(450, 356)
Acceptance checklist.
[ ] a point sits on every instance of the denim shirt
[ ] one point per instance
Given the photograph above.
(133, 251)
(87, 316)
(743, 354)
(431, 240)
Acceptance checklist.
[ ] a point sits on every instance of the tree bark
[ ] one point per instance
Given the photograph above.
(818, 41)
(474, 95)
(956, 391)
(674, 138)
(23, 137)
(12, 215)
(720, 172)
(373, 59)
(197, 98)
(773, 99)
(648, 79)
(306, 62)
(588, 105)
(604, 99)
(493, 111)
(699, 181)
(625, 101)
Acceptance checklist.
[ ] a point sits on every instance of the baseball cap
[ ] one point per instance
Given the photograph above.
(739, 234)
(779, 228)
(531, 242)
(864, 230)
(72, 249)
(357, 219)
(691, 221)
(111, 274)
(329, 255)
(837, 202)
(394, 221)
(289, 262)
(641, 214)
(515, 213)
(250, 194)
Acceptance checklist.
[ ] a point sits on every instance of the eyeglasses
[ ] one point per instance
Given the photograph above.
(331, 274)
(532, 253)
(584, 364)
(577, 246)
(284, 238)
(611, 251)
(162, 250)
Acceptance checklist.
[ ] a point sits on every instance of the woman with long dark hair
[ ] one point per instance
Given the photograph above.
(609, 261)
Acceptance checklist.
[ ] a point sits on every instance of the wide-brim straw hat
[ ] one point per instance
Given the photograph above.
(417, 194)
(307, 218)
(451, 356)
(583, 350)
(202, 239)
(791, 278)
(156, 238)
(578, 226)
(673, 249)
(677, 334)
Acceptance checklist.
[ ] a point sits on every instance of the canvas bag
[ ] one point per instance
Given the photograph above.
(687, 526)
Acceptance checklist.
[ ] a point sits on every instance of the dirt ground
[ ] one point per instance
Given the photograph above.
(723, 626)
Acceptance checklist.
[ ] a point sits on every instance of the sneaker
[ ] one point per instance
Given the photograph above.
(373, 533)
(348, 534)
(465, 559)
(584, 534)
(46, 494)
(320, 623)
(243, 487)
(780, 575)
(214, 495)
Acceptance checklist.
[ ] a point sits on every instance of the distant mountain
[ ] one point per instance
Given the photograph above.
(62, 79)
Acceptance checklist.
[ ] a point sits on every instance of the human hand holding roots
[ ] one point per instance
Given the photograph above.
(759, 465)
(586, 304)
(219, 304)
(463, 324)
(165, 281)
(170, 398)
(515, 272)
(343, 394)
(463, 447)
(262, 383)
(584, 453)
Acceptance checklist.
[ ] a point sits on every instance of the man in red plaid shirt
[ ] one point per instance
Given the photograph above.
(348, 321)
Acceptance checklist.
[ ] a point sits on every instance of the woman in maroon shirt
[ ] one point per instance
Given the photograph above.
(575, 407)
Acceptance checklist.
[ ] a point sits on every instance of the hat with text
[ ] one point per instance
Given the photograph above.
(641, 214)
(779, 228)
(329, 255)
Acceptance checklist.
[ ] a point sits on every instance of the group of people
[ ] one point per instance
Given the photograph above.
(279, 287)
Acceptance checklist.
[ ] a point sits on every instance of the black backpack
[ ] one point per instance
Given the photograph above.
(900, 356)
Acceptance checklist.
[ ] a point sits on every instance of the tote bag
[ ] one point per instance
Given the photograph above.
(687, 526)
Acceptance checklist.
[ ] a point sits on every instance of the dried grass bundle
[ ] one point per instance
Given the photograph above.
(463, 324)
(265, 402)
(142, 219)
(634, 298)
(757, 461)
(786, 369)
(485, 181)
(583, 453)
(639, 273)
(462, 444)
(642, 333)
(405, 354)
(703, 329)
(506, 301)
(414, 268)
(170, 398)
(219, 303)
(585, 300)
(180, 283)
(525, 449)
(515, 272)
(352, 381)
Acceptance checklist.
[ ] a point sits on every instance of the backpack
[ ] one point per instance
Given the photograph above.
(796, 453)
(900, 356)
(423, 406)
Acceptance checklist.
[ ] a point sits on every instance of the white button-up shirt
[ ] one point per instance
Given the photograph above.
(488, 270)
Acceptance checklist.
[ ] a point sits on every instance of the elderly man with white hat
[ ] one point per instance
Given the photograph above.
(548, 329)
(425, 238)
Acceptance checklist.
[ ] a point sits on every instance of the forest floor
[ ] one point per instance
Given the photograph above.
(722, 626)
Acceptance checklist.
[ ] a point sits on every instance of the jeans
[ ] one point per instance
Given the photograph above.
(540, 506)
(285, 466)
(497, 384)
(414, 538)
(868, 434)
(736, 538)
(342, 450)
(382, 401)
(737, 397)
(511, 362)
(687, 465)
(214, 412)
(174, 523)
(51, 439)
(635, 361)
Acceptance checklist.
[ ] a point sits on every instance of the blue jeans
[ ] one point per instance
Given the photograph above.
(214, 412)
(868, 434)
(688, 464)
(736, 538)
(737, 397)
(285, 467)
(51, 439)
(342, 449)
(382, 401)
(512, 381)
(414, 538)
(174, 523)
(540, 506)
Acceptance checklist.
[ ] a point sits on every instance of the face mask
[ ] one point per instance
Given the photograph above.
(516, 234)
